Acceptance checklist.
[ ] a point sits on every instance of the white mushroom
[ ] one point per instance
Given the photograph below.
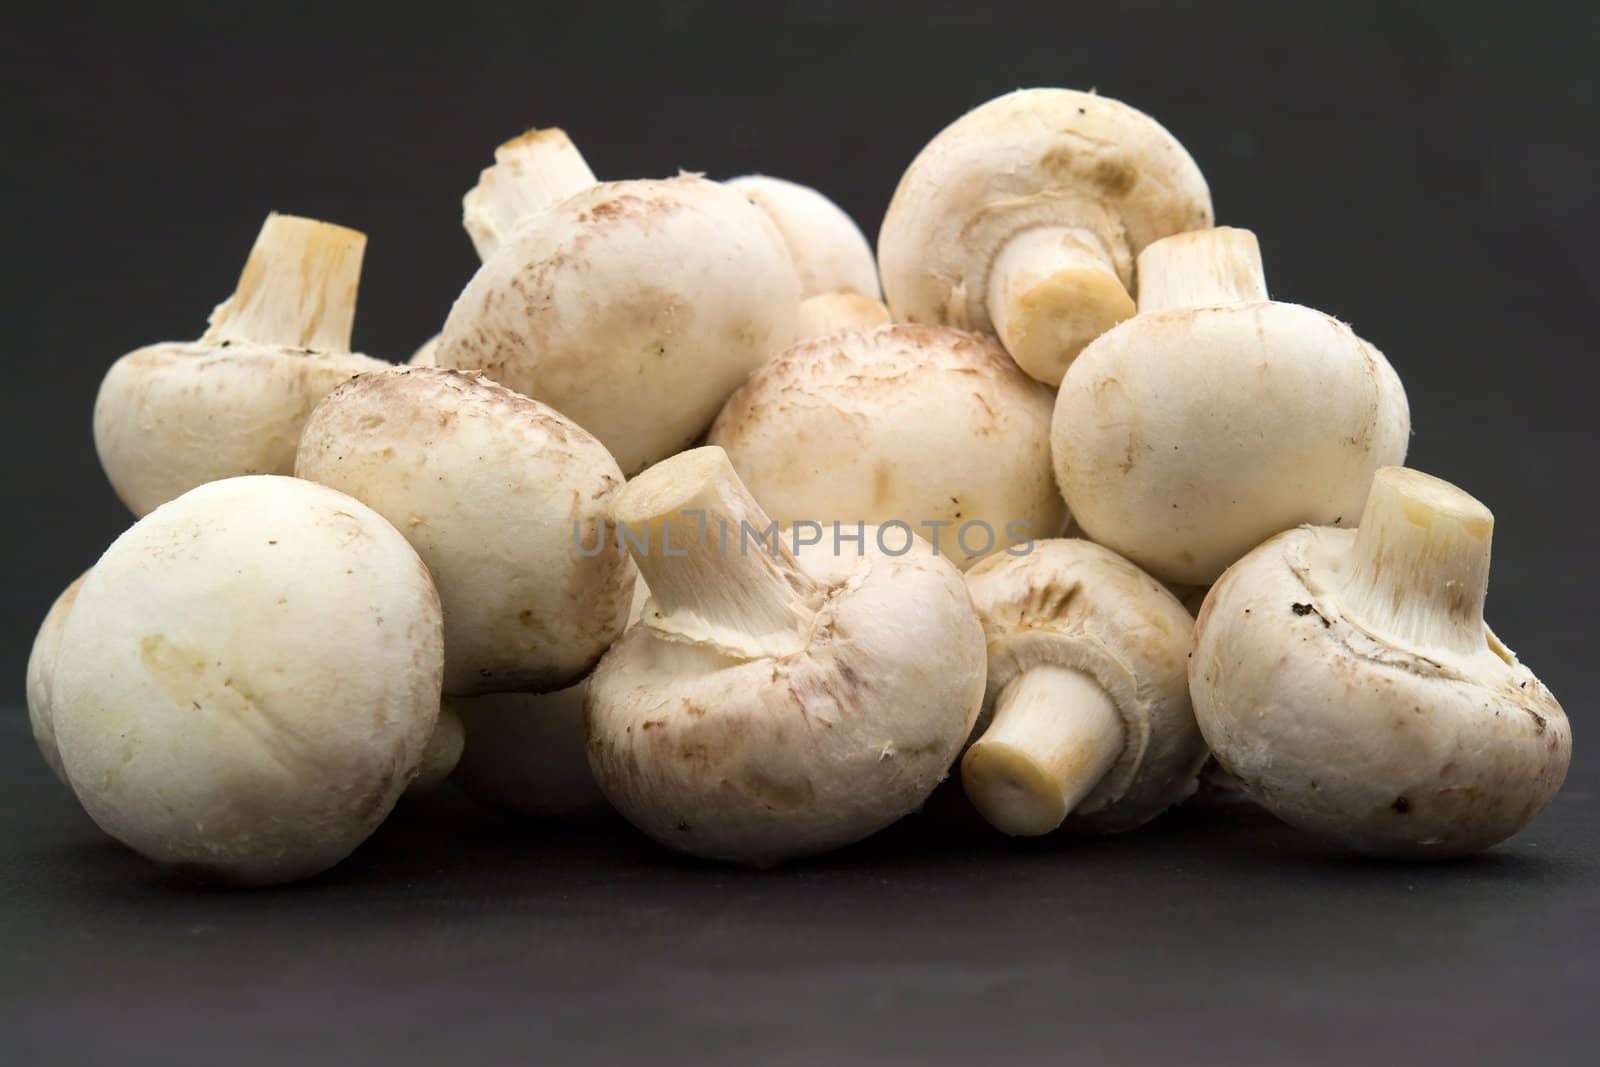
(831, 254)
(172, 416)
(41, 676)
(1348, 680)
(248, 680)
(923, 426)
(1087, 695)
(442, 755)
(503, 498)
(828, 313)
(1215, 418)
(765, 709)
(633, 308)
(1023, 218)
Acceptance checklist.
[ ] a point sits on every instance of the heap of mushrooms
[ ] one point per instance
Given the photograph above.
(351, 582)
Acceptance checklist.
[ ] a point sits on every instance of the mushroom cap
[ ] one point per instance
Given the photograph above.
(761, 760)
(916, 424)
(172, 416)
(442, 754)
(1031, 158)
(248, 680)
(1070, 603)
(41, 676)
(1375, 746)
(525, 608)
(633, 308)
(525, 754)
(1184, 438)
(831, 254)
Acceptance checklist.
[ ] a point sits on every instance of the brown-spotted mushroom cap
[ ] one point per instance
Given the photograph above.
(633, 308)
(921, 425)
(41, 676)
(503, 498)
(765, 708)
(1216, 418)
(1023, 218)
(171, 416)
(1087, 702)
(1347, 678)
(831, 255)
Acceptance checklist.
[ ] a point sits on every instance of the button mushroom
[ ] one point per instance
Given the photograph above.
(248, 680)
(831, 255)
(1023, 217)
(1216, 418)
(502, 498)
(828, 313)
(766, 708)
(442, 754)
(1349, 682)
(633, 308)
(174, 415)
(41, 676)
(926, 427)
(1088, 696)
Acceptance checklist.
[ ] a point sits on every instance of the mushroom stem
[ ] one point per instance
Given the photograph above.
(1054, 735)
(1201, 268)
(531, 173)
(717, 569)
(298, 288)
(1052, 290)
(1418, 571)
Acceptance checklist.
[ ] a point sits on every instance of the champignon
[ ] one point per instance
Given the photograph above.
(765, 708)
(174, 415)
(828, 313)
(248, 680)
(504, 500)
(924, 427)
(1023, 218)
(41, 676)
(831, 255)
(1348, 680)
(1188, 435)
(1087, 703)
(442, 755)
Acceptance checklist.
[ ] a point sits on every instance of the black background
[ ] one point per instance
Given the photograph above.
(1425, 171)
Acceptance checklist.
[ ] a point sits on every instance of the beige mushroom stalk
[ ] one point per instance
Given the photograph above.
(1087, 698)
(41, 676)
(633, 308)
(1188, 435)
(172, 416)
(831, 255)
(1348, 680)
(1023, 218)
(828, 313)
(503, 498)
(248, 679)
(442, 754)
(922, 427)
(767, 708)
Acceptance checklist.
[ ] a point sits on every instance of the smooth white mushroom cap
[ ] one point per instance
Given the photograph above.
(248, 680)
(1348, 680)
(1076, 605)
(828, 313)
(915, 424)
(831, 254)
(41, 676)
(503, 498)
(633, 308)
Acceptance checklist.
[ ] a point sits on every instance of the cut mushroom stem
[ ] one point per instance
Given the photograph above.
(1053, 290)
(298, 288)
(531, 173)
(1201, 268)
(717, 569)
(1055, 734)
(1418, 570)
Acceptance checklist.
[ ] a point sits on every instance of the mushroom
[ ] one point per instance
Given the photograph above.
(921, 427)
(503, 498)
(1348, 680)
(442, 755)
(828, 313)
(633, 308)
(174, 415)
(1087, 709)
(831, 255)
(766, 708)
(41, 676)
(1023, 217)
(1188, 435)
(248, 680)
